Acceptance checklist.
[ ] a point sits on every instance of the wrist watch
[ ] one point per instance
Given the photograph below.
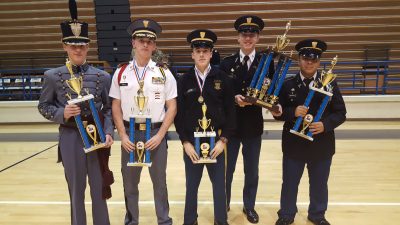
(224, 140)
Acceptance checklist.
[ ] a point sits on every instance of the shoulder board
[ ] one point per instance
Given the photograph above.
(290, 78)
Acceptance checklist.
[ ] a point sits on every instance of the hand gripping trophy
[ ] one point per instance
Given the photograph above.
(205, 147)
(322, 85)
(262, 90)
(91, 130)
(140, 156)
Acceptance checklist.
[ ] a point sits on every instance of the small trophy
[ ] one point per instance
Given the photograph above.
(323, 86)
(263, 91)
(91, 130)
(140, 156)
(205, 147)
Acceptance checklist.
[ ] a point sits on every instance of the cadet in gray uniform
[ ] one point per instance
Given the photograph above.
(53, 106)
(160, 89)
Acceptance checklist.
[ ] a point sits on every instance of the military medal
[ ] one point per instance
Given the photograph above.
(200, 99)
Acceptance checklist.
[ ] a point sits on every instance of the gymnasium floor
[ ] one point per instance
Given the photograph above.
(364, 183)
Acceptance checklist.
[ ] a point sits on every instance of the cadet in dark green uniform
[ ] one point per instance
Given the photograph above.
(204, 84)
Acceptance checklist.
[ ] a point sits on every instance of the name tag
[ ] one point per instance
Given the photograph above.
(123, 84)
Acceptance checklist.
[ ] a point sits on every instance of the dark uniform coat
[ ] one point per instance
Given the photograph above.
(293, 94)
(218, 96)
(250, 121)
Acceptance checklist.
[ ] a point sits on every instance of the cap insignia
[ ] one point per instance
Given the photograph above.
(145, 23)
(76, 29)
(202, 34)
(314, 44)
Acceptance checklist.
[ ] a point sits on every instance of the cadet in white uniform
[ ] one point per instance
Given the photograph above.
(160, 88)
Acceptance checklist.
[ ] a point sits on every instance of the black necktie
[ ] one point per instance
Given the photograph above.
(245, 66)
(307, 81)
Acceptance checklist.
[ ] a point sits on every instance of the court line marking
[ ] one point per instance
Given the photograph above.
(200, 203)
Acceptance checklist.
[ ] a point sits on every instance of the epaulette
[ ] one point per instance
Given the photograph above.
(290, 77)
(229, 56)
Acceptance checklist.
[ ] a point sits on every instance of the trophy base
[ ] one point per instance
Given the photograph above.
(139, 164)
(205, 160)
(78, 100)
(256, 101)
(301, 135)
(94, 147)
(321, 91)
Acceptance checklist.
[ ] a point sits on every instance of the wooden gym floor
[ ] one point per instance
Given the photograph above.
(364, 185)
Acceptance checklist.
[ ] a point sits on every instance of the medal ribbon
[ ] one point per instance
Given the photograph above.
(201, 85)
(141, 77)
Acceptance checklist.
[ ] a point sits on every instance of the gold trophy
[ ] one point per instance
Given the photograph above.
(282, 41)
(323, 84)
(85, 129)
(205, 147)
(137, 158)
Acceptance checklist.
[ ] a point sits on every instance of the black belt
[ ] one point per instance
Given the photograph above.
(142, 126)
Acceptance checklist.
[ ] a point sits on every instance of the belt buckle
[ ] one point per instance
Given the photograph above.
(142, 126)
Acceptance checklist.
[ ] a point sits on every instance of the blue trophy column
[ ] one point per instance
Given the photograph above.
(132, 138)
(82, 130)
(97, 121)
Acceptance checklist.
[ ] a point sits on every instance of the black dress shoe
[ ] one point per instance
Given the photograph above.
(284, 221)
(194, 223)
(251, 214)
(220, 223)
(320, 221)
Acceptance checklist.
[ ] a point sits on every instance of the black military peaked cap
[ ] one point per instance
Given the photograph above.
(201, 38)
(144, 28)
(74, 32)
(249, 23)
(311, 48)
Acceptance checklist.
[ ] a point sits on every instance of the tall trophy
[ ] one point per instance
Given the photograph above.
(88, 131)
(262, 90)
(140, 156)
(205, 147)
(322, 85)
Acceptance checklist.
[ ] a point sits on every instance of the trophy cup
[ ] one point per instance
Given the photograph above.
(86, 130)
(205, 147)
(140, 156)
(322, 85)
(263, 91)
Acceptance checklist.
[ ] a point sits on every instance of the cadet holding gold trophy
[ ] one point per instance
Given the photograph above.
(300, 98)
(204, 122)
(144, 106)
(76, 97)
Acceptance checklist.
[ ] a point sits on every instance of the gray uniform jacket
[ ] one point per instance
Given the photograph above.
(53, 97)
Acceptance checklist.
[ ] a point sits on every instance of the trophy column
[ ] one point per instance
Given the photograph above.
(262, 91)
(322, 86)
(140, 156)
(89, 130)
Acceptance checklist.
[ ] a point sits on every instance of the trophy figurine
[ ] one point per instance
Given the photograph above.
(205, 147)
(140, 156)
(86, 130)
(322, 85)
(262, 90)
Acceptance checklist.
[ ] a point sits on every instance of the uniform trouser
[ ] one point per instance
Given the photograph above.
(251, 155)
(78, 166)
(318, 172)
(131, 179)
(194, 172)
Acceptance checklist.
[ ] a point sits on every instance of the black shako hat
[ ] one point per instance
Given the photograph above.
(201, 38)
(249, 23)
(74, 32)
(311, 48)
(146, 28)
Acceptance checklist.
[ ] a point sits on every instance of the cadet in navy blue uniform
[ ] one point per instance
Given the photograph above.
(79, 166)
(250, 125)
(204, 84)
(297, 151)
